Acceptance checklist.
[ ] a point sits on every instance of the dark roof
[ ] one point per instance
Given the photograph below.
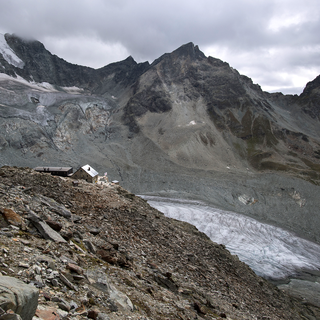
(49, 169)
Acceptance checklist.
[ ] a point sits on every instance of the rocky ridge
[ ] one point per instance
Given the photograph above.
(100, 252)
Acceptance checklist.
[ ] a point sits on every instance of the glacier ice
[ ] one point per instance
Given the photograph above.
(270, 251)
(8, 53)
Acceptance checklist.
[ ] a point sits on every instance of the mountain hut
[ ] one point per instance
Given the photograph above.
(86, 173)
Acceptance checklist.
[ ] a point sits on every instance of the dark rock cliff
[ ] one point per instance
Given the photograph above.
(42, 66)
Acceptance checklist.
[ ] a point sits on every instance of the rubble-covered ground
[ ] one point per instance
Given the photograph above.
(99, 252)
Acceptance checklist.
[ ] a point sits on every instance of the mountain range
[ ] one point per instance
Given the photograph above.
(185, 125)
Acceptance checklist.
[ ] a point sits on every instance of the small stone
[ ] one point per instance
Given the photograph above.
(95, 231)
(74, 268)
(54, 225)
(102, 316)
(62, 314)
(93, 314)
(78, 277)
(25, 242)
(67, 282)
(46, 295)
(73, 305)
(90, 246)
(56, 299)
(64, 305)
(37, 269)
(55, 282)
(76, 219)
(14, 228)
(24, 265)
(197, 306)
(66, 234)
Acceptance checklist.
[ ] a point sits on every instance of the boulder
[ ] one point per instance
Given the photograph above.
(19, 297)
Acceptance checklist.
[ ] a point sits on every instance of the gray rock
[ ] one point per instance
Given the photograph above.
(55, 207)
(67, 282)
(100, 281)
(73, 305)
(10, 316)
(44, 229)
(18, 296)
(64, 305)
(102, 316)
(90, 246)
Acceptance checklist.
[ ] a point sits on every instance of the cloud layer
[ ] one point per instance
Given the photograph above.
(275, 42)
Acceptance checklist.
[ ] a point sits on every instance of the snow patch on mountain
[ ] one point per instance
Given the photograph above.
(8, 54)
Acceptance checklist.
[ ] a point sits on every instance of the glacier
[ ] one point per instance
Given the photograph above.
(8, 53)
(271, 252)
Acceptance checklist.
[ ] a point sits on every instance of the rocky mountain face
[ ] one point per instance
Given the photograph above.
(99, 252)
(186, 125)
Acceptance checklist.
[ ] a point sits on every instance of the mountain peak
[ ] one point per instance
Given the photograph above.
(189, 49)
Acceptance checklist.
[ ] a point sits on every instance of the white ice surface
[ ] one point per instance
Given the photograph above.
(8, 53)
(270, 251)
(40, 86)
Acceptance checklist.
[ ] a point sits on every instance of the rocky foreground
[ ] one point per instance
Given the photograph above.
(99, 252)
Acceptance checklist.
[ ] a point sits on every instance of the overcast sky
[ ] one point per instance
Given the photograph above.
(274, 42)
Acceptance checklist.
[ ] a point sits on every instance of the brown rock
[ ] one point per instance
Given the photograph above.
(75, 268)
(197, 306)
(66, 234)
(107, 256)
(11, 217)
(48, 314)
(54, 225)
(93, 314)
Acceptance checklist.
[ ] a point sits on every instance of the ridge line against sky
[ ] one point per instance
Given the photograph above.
(274, 42)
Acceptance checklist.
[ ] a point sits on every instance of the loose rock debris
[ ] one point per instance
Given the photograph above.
(99, 252)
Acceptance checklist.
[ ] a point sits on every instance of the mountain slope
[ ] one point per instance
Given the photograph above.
(186, 125)
(93, 249)
(197, 108)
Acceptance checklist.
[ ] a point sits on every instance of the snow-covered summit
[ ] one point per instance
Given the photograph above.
(8, 53)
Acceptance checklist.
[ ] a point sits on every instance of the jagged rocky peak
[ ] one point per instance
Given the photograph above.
(189, 50)
(42, 66)
(311, 86)
(21, 44)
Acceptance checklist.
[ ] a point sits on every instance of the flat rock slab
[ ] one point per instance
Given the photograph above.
(18, 296)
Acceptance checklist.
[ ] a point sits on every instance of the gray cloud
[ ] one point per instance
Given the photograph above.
(275, 42)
